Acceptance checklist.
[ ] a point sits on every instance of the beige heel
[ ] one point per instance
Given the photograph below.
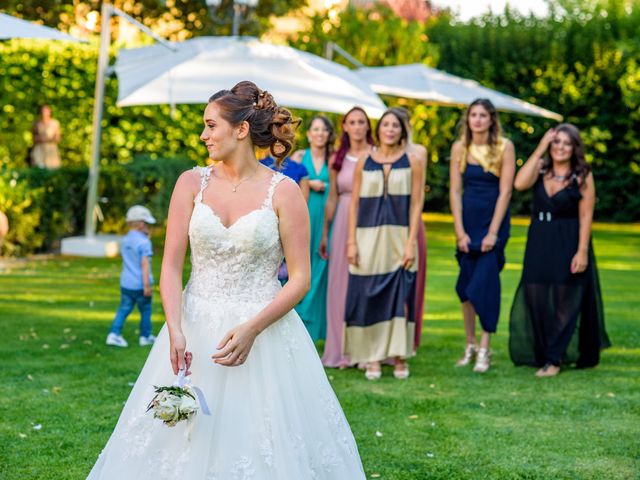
(469, 353)
(483, 360)
(372, 373)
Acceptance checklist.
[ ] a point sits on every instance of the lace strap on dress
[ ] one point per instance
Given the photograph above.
(205, 173)
(275, 180)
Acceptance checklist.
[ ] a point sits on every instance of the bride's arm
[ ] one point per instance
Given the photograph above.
(175, 248)
(293, 218)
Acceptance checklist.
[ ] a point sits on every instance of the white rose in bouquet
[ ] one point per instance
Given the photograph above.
(188, 405)
(173, 404)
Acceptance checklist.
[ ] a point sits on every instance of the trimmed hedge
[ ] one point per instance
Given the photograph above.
(44, 206)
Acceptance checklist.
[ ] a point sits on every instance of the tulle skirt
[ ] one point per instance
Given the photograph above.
(275, 417)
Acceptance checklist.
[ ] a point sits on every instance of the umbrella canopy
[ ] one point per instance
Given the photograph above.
(201, 66)
(11, 27)
(440, 88)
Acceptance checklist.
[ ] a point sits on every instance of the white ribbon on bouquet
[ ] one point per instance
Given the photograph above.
(182, 380)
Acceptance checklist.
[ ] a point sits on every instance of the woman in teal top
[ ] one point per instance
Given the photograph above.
(313, 307)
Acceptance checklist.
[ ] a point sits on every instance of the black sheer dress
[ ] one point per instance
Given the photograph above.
(557, 316)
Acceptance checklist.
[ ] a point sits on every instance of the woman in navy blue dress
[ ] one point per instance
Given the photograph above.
(481, 178)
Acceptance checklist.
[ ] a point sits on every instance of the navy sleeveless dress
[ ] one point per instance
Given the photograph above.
(557, 316)
(479, 278)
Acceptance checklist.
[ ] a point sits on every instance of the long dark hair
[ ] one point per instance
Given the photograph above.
(579, 166)
(404, 115)
(495, 130)
(270, 126)
(345, 143)
(404, 133)
(331, 139)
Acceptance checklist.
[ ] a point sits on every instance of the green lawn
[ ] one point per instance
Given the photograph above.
(64, 388)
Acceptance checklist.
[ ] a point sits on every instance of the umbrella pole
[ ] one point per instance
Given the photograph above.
(98, 104)
(107, 12)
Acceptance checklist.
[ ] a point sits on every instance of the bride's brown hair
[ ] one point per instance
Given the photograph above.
(270, 126)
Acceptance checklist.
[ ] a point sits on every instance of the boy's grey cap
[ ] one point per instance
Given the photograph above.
(138, 213)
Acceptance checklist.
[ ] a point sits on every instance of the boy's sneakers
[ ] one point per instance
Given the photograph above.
(116, 340)
(144, 341)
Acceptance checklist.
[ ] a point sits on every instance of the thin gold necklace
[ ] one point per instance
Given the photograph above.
(234, 188)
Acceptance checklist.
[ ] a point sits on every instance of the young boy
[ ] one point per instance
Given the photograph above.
(136, 279)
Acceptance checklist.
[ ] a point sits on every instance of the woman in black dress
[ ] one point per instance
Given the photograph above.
(557, 315)
(481, 179)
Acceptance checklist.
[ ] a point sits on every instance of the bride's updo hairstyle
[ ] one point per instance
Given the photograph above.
(270, 126)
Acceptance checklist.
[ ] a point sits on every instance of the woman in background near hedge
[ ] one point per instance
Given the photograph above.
(420, 152)
(313, 307)
(46, 136)
(481, 181)
(382, 246)
(356, 141)
(557, 315)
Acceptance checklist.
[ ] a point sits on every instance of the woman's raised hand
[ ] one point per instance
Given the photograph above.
(547, 138)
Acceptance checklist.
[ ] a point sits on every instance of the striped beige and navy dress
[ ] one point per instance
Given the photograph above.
(380, 296)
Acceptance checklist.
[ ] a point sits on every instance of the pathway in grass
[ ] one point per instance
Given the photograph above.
(63, 388)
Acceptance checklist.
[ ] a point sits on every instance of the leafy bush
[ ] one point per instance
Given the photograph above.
(44, 206)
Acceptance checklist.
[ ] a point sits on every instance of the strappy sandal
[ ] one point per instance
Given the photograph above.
(373, 371)
(469, 354)
(403, 372)
(483, 361)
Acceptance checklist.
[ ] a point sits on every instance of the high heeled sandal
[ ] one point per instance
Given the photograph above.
(483, 360)
(401, 373)
(469, 353)
(371, 373)
(549, 370)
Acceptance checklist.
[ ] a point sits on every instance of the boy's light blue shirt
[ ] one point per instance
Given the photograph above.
(135, 245)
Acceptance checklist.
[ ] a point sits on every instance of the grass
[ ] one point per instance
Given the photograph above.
(63, 389)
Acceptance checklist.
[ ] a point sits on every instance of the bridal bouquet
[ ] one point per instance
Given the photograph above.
(173, 404)
(177, 402)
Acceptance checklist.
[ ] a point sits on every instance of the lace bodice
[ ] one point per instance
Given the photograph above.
(239, 262)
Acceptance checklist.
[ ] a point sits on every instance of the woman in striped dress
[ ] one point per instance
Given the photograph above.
(421, 280)
(384, 219)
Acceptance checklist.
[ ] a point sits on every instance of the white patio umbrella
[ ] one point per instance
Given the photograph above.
(12, 27)
(201, 66)
(441, 88)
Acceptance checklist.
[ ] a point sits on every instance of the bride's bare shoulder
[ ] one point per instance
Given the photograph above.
(287, 195)
(189, 181)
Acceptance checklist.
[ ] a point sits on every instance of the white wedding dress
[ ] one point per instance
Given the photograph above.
(273, 418)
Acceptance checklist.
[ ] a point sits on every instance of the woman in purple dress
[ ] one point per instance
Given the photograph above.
(356, 141)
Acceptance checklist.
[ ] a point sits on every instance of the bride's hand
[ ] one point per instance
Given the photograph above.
(180, 358)
(235, 346)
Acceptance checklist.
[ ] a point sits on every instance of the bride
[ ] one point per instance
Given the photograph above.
(273, 412)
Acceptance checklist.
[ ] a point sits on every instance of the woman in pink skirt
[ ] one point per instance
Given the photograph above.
(356, 141)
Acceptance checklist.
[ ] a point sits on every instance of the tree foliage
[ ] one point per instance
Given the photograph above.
(582, 61)
(173, 19)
